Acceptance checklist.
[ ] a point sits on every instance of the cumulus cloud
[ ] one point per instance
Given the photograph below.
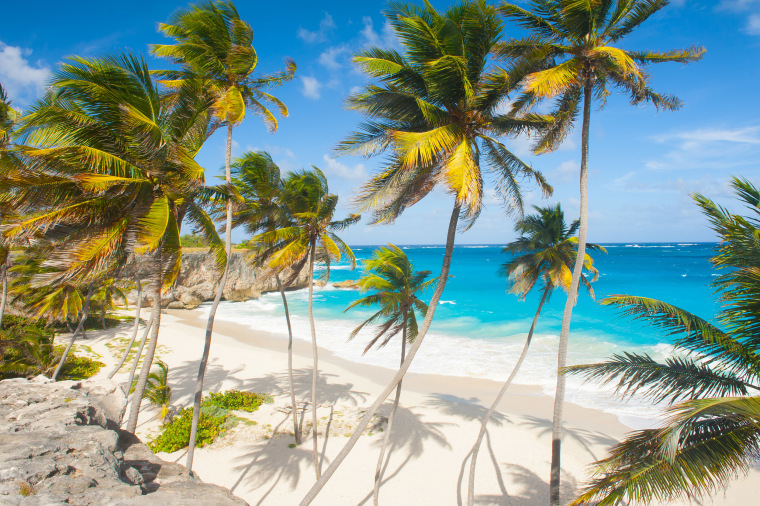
(310, 87)
(332, 56)
(23, 80)
(386, 38)
(335, 168)
(752, 26)
(566, 172)
(325, 26)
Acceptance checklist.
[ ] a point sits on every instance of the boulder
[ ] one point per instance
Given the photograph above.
(59, 444)
(349, 283)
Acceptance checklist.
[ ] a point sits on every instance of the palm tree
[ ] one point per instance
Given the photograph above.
(396, 285)
(437, 112)
(158, 391)
(257, 179)
(308, 238)
(109, 160)
(214, 48)
(106, 296)
(138, 284)
(8, 120)
(544, 252)
(712, 384)
(574, 43)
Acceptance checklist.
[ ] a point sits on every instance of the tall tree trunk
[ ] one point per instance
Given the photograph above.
(315, 363)
(290, 360)
(379, 470)
(79, 329)
(572, 296)
(139, 351)
(134, 334)
(103, 316)
(212, 312)
(442, 278)
(4, 296)
(142, 380)
(484, 424)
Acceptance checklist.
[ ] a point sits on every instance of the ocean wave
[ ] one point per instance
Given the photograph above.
(453, 303)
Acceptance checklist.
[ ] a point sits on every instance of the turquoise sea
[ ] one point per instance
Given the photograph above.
(479, 328)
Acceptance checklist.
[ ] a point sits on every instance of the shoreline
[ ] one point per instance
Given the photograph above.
(435, 427)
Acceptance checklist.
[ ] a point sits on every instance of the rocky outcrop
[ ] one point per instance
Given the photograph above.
(349, 283)
(60, 444)
(198, 276)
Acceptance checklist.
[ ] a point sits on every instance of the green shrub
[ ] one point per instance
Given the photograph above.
(238, 400)
(176, 435)
(79, 368)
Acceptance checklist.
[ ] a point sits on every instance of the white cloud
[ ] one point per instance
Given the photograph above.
(335, 168)
(386, 39)
(24, 81)
(325, 26)
(310, 87)
(753, 24)
(566, 172)
(709, 148)
(740, 6)
(637, 182)
(737, 5)
(330, 57)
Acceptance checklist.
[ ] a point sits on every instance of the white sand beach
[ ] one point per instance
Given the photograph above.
(436, 425)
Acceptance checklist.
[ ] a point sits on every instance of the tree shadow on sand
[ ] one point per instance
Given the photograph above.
(585, 438)
(532, 489)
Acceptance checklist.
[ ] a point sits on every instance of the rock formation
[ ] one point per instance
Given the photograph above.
(198, 276)
(60, 444)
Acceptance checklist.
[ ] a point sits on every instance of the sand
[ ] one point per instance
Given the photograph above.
(436, 425)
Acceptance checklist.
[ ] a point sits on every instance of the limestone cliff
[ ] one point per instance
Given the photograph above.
(198, 277)
(60, 444)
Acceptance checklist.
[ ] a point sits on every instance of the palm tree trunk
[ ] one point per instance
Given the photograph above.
(4, 296)
(134, 333)
(290, 360)
(139, 351)
(572, 296)
(379, 470)
(442, 278)
(79, 329)
(103, 316)
(212, 312)
(142, 380)
(484, 424)
(315, 363)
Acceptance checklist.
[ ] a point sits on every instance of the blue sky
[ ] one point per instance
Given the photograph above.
(643, 167)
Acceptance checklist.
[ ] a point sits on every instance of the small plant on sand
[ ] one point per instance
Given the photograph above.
(238, 400)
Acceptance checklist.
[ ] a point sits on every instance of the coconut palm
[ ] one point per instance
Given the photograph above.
(109, 160)
(308, 238)
(544, 252)
(257, 179)
(575, 44)
(436, 110)
(213, 45)
(158, 391)
(8, 121)
(138, 307)
(390, 276)
(107, 294)
(711, 384)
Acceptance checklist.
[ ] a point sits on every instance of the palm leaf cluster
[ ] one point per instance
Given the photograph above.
(573, 47)
(711, 431)
(437, 110)
(394, 284)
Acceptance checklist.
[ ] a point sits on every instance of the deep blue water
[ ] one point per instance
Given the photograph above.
(479, 328)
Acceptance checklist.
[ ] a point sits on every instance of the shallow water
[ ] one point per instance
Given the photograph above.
(479, 328)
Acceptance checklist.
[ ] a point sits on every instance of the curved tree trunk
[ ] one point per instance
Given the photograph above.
(80, 328)
(380, 469)
(572, 296)
(134, 333)
(290, 360)
(142, 380)
(315, 364)
(484, 424)
(4, 296)
(442, 278)
(139, 351)
(212, 312)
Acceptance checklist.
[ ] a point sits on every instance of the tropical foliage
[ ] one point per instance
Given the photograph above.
(711, 432)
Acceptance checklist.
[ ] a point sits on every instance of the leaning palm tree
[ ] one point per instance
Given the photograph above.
(395, 284)
(109, 160)
(437, 112)
(8, 120)
(213, 45)
(544, 252)
(712, 385)
(308, 238)
(257, 179)
(575, 45)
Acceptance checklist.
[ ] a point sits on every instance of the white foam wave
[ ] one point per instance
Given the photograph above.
(453, 303)
(445, 352)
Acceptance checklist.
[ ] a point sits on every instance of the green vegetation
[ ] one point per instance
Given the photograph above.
(193, 241)
(215, 419)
